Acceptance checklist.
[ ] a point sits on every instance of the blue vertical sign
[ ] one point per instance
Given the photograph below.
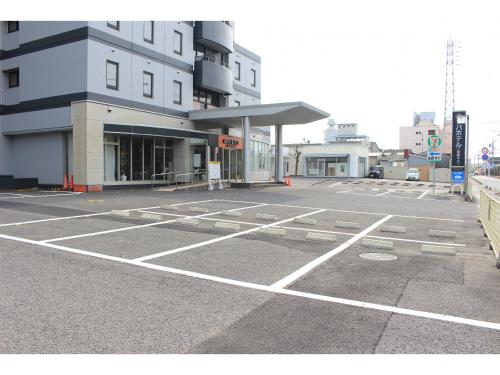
(458, 140)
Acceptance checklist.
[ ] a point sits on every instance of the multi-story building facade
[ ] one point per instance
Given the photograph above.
(109, 102)
(415, 138)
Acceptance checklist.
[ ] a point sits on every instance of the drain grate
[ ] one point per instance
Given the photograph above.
(378, 256)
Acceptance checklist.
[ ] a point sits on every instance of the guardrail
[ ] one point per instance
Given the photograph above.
(191, 176)
(489, 215)
(153, 177)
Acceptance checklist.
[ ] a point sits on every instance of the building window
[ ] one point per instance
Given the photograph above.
(12, 26)
(13, 78)
(147, 83)
(238, 70)
(111, 75)
(114, 25)
(431, 132)
(177, 42)
(177, 92)
(237, 103)
(148, 31)
(254, 77)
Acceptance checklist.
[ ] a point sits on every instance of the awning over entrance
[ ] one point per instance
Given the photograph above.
(245, 117)
(294, 113)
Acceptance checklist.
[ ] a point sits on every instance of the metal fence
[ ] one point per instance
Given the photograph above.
(489, 214)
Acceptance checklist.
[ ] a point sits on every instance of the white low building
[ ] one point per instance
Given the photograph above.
(343, 156)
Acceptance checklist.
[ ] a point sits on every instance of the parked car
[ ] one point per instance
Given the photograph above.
(413, 174)
(376, 172)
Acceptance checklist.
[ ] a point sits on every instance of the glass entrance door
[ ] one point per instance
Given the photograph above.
(233, 164)
(226, 164)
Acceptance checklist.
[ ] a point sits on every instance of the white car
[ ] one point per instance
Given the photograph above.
(412, 174)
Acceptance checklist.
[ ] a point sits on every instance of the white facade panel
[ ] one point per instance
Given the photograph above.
(139, 65)
(98, 54)
(172, 75)
(242, 98)
(246, 66)
(124, 31)
(63, 71)
(34, 30)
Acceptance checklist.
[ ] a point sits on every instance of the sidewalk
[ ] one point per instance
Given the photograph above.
(491, 183)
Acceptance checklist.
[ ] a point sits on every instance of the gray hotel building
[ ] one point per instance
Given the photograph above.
(133, 103)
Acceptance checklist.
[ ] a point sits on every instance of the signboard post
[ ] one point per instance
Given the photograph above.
(434, 155)
(485, 158)
(214, 174)
(459, 146)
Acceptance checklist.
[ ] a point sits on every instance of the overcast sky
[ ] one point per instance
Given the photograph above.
(371, 62)
(376, 63)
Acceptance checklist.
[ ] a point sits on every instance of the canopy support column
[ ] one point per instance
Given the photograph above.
(278, 157)
(246, 150)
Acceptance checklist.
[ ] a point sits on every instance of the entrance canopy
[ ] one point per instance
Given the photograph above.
(245, 117)
(294, 113)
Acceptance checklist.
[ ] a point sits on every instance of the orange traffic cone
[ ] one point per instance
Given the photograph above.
(71, 184)
(65, 184)
(289, 181)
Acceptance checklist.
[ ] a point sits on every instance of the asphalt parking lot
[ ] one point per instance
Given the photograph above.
(323, 266)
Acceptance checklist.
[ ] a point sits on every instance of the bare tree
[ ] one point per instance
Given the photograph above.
(295, 154)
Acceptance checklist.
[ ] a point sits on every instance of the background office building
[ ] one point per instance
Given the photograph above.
(110, 102)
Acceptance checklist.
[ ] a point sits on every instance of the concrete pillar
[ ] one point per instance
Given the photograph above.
(247, 178)
(278, 157)
(88, 150)
(182, 158)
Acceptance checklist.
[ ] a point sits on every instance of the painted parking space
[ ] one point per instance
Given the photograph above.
(339, 221)
(131, 244)
(255, 257)
(9, 215)
(323, 273)
(46, 230)
(348, 275)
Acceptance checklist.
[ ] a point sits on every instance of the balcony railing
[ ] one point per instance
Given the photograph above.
(212, 60)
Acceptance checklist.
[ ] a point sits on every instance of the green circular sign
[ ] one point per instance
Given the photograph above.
(434, 141)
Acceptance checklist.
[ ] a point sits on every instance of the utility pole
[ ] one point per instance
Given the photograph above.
(449, 88)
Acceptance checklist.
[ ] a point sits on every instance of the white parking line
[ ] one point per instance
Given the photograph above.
(23, 196)
(370, 236)
(348, 211)
(270, 289)
(138, 226)
(335, 184)
(423, 194)
(384, 193)
(96, 214)
(284, 282)
(398, 197)
(218, 239)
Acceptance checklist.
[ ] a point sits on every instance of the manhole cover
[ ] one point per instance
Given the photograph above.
(378, 256)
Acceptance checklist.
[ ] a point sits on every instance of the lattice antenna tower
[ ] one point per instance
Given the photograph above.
(452, 59)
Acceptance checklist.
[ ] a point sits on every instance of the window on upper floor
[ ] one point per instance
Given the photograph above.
(13, 78)
(237, 68)
(12, 26)
(254, 77)
(177, 92)
(431, 132)
(147, 84)
(114, 25)
(177, 42)
(112, 75)
(149, 31)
